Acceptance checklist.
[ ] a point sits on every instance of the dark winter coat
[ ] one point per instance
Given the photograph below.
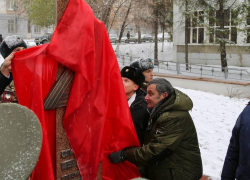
(144, 88)
(4, 82)
(171, 150)
(1, 39)
(140, 115)
(237, 161)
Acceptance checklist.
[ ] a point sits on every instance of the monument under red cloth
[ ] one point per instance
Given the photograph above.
(97, 118)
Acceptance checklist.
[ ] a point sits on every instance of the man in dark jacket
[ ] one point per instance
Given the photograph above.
(146, 66)
(237, 161)
(8, 47)
(132, 80)
(171, 150)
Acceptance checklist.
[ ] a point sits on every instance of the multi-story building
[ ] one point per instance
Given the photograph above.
(202, 37)
(13, 20)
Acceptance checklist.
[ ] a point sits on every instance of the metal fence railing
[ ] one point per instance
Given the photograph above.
(197, 70)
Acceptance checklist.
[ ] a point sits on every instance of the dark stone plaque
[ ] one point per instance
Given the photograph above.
(66, 153)
(72, 175)
(68, 164)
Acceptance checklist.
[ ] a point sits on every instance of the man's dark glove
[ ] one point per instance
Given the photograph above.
(117, 157)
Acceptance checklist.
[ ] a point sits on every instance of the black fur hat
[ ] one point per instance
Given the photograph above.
(134, 74)
(10, 43)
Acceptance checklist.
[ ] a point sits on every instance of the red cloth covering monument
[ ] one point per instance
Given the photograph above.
(97, 118)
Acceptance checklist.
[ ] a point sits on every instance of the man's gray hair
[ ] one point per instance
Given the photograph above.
(162, 85)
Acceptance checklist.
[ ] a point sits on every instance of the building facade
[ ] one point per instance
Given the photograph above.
(203, 47)
(16, 22)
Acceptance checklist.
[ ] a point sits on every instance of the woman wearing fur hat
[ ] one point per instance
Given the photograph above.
(146, 66)
(8, 47)
(132, 80)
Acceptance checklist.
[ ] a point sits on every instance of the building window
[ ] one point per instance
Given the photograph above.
(201, 35)
(37, 29)
(194, 40)
(196, 28)
(230, 30)
(10, 4)
(11, 26)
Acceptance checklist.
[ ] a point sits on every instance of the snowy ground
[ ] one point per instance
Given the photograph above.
(146, 50)
(214, 117)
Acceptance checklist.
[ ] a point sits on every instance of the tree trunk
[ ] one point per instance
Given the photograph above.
(156, 24)
(106, 12)
(117, 50)
(222, 36)
(124, 21)
(186, 36)
(112, 22)
(29, 27)
(139, 33)
(162, 47)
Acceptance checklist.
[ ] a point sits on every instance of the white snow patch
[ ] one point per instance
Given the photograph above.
(214, 117)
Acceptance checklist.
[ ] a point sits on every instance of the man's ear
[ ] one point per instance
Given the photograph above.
(165, 94)
(136, 87)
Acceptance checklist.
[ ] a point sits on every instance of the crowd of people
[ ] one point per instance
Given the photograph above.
(169, 144)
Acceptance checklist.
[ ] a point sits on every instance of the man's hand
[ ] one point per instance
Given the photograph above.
(117, 157)
(6, 68)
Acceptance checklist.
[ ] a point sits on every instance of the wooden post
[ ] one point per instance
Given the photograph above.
(65, 161)
(66, 165)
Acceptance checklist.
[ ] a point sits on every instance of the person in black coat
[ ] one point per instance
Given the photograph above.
(237, 161)
(8, 47)
(4, 80)
(1, 38)
(132, 80)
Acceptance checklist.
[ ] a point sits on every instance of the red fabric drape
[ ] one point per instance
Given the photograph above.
(97, 119)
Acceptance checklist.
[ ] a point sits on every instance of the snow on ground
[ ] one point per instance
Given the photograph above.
(146, 50)
(214, 117)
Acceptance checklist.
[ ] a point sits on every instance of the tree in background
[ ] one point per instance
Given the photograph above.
(117, 13)
(41, 13)
(125, 22)
(221, 20)
(187, 24)
(166, 18)
(188, 9)
(219, 12)
(102, 9)
(158, 17)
